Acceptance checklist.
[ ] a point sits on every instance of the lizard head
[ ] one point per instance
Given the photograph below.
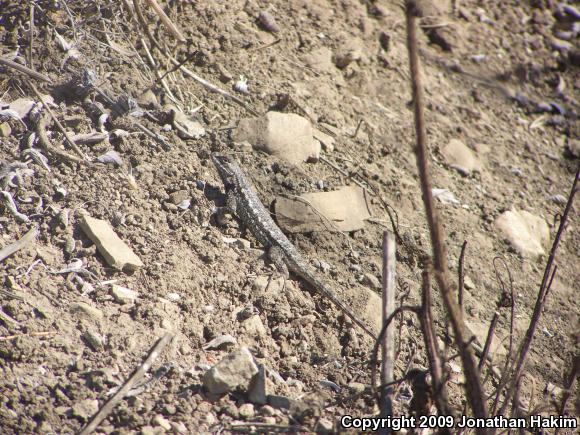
(223, 164)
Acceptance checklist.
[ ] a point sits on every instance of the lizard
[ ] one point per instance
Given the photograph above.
(243, 202)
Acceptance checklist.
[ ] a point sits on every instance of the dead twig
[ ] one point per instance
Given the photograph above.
(31, 30)
(11, 295)
(135, 376)
(375, 353)
(370, 191)
(47, 145)
(25, 70)
(504, 380)
(30, 334)
(7, 251)
(388, 342)
(163, 17)
(488, 340)
(461, 275)
(432, 348)
(8, 319)
(474, 389)
(58, 124)
(211, 87)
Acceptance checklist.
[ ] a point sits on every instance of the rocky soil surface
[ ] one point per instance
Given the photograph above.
(121, 243)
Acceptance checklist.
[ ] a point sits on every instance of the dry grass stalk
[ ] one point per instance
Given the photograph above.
(10, 249)
(25, 70)
(569, 387)
(121, 392)
(488, 340)
(163, 17)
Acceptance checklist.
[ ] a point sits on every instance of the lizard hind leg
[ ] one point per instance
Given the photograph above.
(276, 256)
(224, 213)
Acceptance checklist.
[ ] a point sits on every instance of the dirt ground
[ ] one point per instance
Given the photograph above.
(497, 78)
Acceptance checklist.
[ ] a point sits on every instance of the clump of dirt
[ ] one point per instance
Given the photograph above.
(502, 81)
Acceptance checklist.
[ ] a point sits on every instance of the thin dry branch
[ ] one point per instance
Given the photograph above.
(120, 394)
(209, 86)
(163, 17)
(388, 342)
(569, 387)
(461, 275)
(29, 334)
(474, 389)
(71, 142)
(433, 354)
(375, 353)
(47, 145)
(488, 340)
(10, 249)
(25, 70)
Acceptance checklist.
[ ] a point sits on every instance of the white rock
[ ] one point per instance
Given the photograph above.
(161, 421)
(115, 251)
(123, 295)
(445, 196)
(257, 391)
(86, 310)
(373, 310)
(221, 341)
(527, 233)
(267, 285)
(85, 408)
(480, 331)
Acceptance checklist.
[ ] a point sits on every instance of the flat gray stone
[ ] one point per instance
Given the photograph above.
(344, 209)
(295, 407)
(373, 311)
(257, 390)
(116, 252)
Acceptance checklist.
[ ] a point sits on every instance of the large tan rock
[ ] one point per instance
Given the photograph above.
(344, 209)
(527, 233)
(284, 135)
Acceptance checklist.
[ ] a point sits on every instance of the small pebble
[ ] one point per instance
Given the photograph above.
(247, 410)
(268, 22)
(159, 420)
(267, 411)
(558, 199)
